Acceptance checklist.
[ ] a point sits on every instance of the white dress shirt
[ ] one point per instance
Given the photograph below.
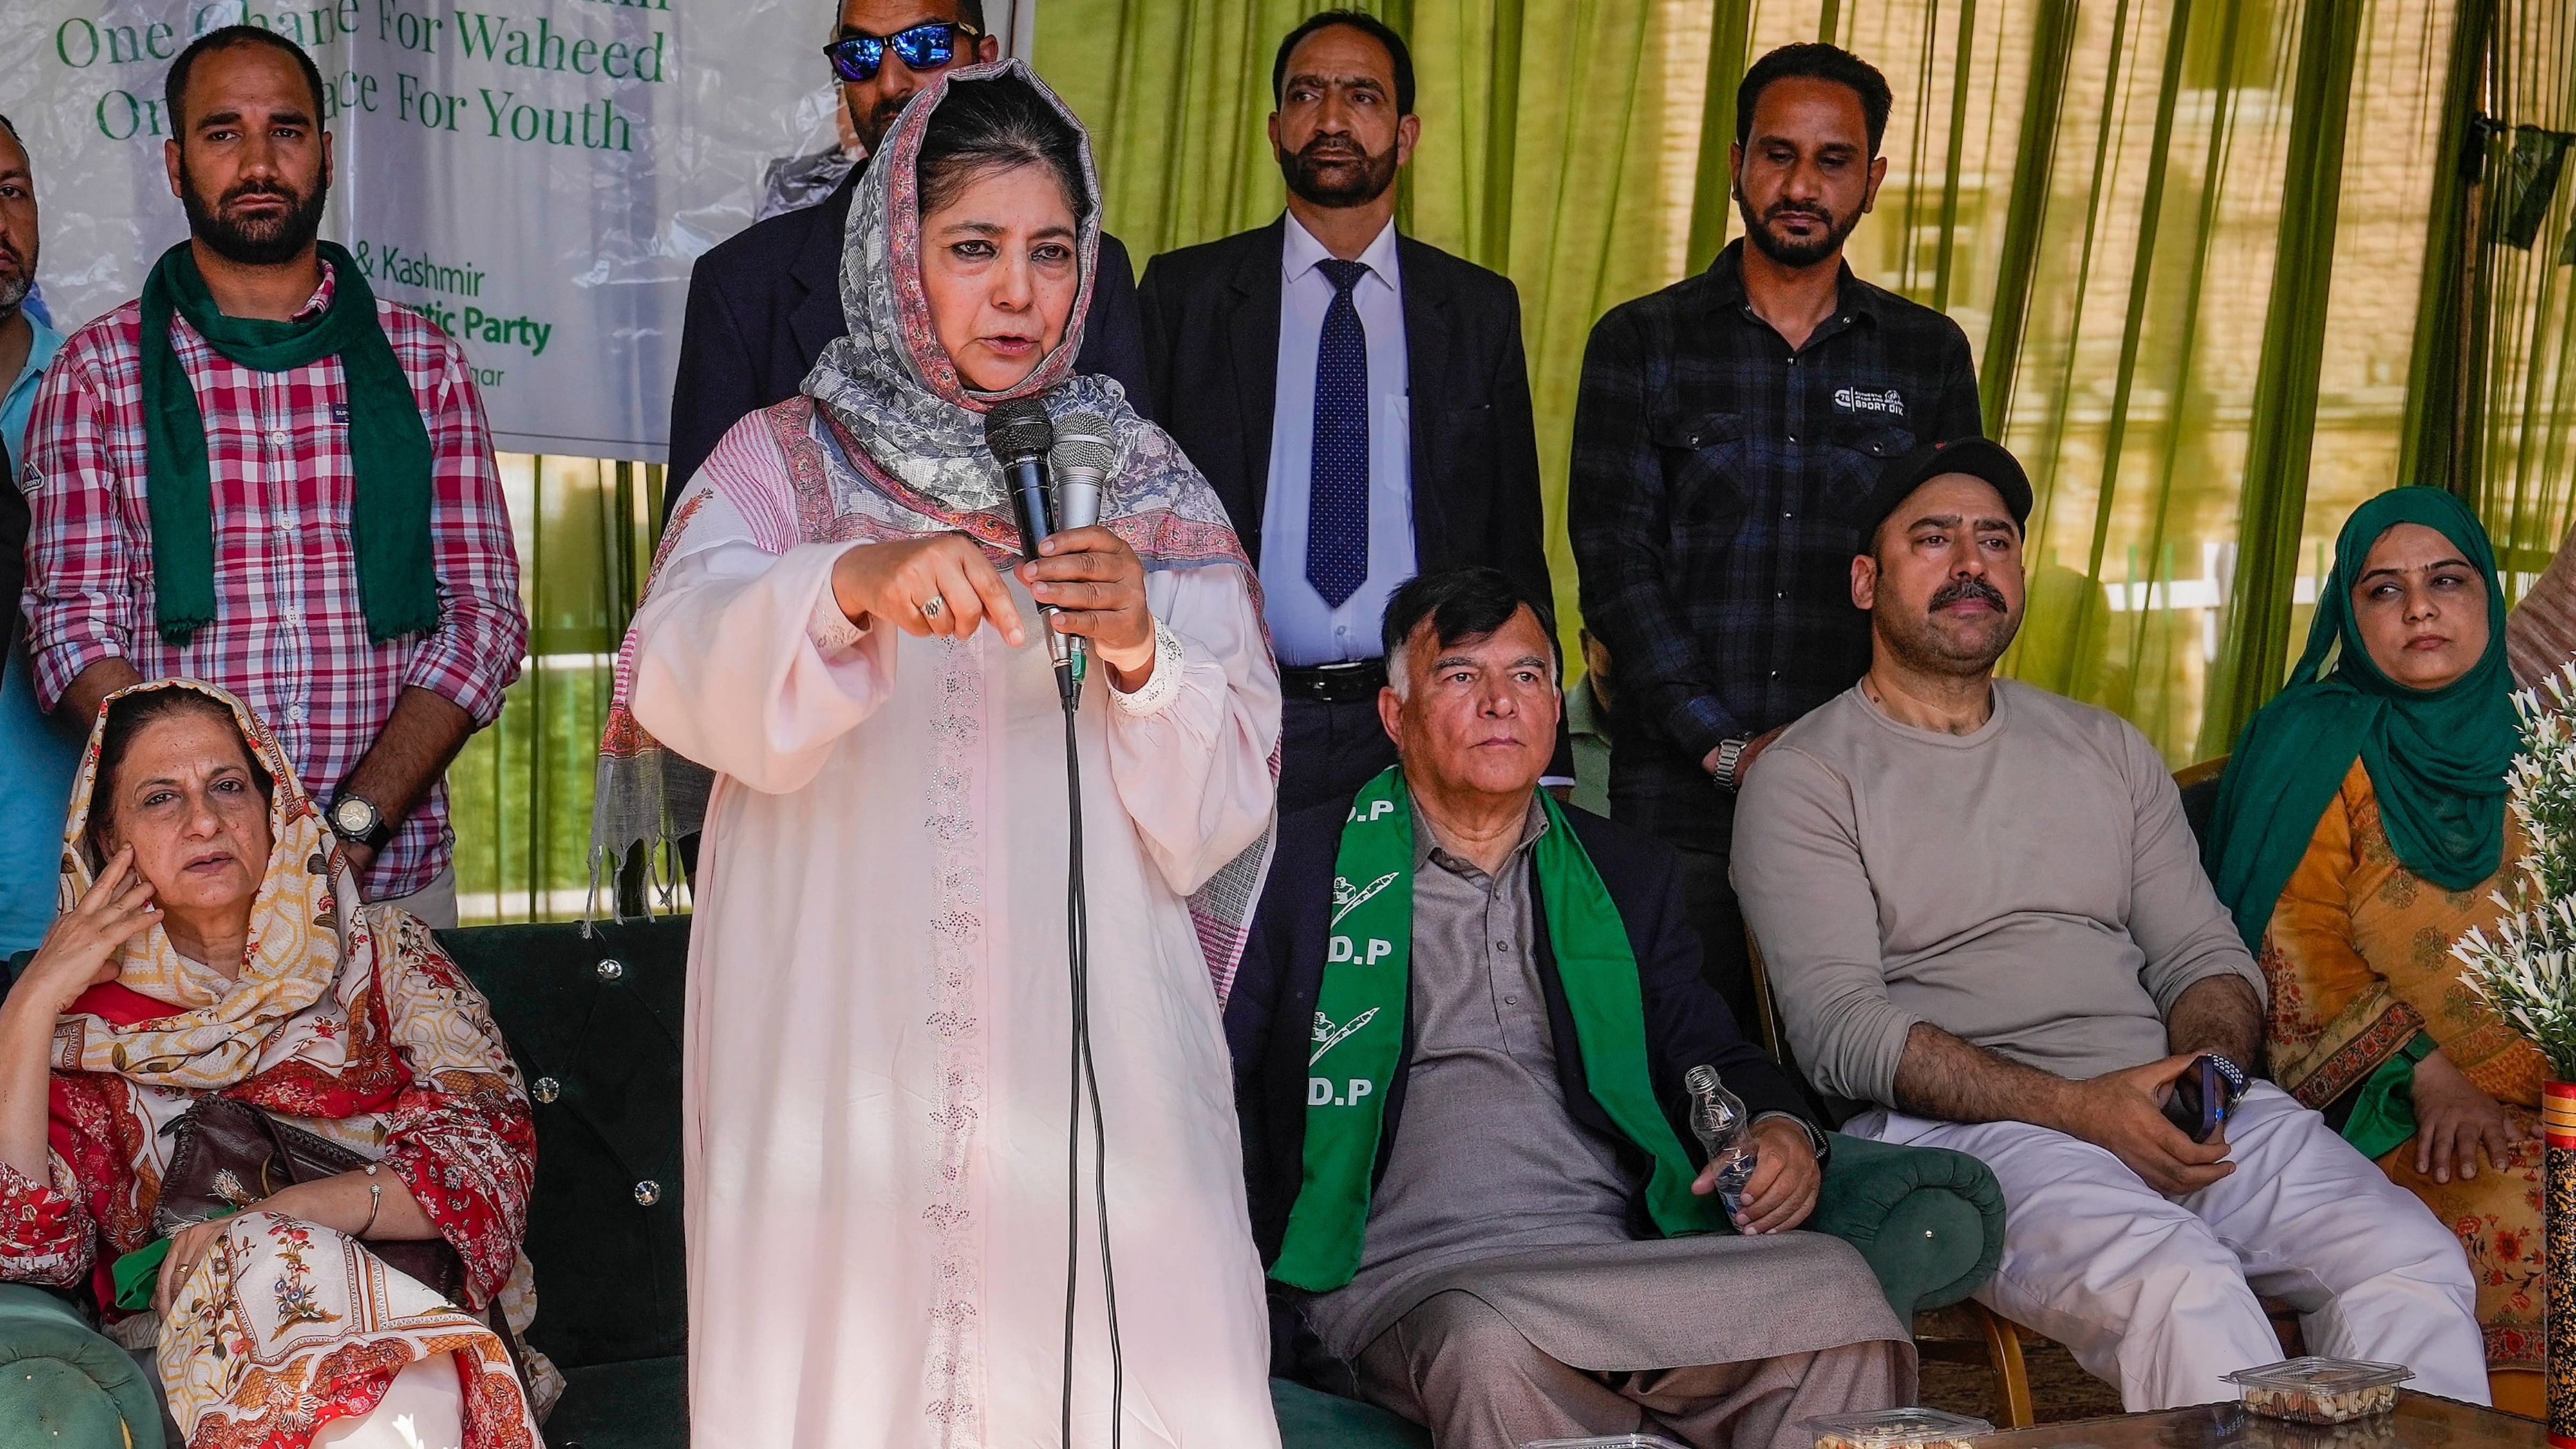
(1305, 629)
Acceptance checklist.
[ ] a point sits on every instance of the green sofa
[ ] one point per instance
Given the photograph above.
(594, 1020)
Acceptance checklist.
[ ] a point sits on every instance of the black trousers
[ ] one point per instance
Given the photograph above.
(1328, 750)
(1725, 963)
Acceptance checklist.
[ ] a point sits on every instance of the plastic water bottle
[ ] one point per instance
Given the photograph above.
(1725, 1129)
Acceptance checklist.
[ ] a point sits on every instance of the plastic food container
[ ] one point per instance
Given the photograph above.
(1614, 1441)
(1896, 1429)
(2320, 1390)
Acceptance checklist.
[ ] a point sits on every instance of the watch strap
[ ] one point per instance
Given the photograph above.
(1730, 756)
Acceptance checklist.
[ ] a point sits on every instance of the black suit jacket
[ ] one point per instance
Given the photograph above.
(1211, 315)
(1269, 1017)
(764, 304)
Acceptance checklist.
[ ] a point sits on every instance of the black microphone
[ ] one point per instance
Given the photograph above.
(1020, 437)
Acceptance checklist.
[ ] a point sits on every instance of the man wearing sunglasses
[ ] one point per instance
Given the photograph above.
(1359, 399)
(764, 304)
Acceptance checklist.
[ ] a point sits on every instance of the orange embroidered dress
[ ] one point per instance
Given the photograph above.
(347, 1023)
(2363, 984)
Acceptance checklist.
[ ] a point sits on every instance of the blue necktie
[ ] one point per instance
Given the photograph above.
(1337, 499)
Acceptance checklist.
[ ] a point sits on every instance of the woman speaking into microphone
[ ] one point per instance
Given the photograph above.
(841, 626)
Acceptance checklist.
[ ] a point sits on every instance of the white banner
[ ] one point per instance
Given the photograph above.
(535, 175)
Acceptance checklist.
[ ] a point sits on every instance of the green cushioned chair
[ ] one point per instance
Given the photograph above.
(594, 1020)
(62, 1384)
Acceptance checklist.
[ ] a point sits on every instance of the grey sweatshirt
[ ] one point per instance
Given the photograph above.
(2032, 888)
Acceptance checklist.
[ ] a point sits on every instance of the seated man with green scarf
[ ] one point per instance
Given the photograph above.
(1540, 1251)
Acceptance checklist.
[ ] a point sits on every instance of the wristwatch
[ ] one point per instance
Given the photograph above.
(1730, 754)
(355, 819)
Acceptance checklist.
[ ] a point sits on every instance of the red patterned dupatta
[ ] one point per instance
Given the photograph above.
(348, 1021)
(887, 442)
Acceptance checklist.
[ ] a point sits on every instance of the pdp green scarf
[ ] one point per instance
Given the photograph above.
(1359, 1026)
(2437, 758)
(389, 453)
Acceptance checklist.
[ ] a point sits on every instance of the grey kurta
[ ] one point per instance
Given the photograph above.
(1493, 1188)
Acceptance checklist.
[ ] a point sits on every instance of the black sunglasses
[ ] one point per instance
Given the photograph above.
(927, 46)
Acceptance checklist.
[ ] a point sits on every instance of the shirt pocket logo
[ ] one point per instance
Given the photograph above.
(1889, 403)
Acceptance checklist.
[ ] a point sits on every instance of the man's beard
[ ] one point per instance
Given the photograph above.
(16, 284)
(1344, 186)
(1928, 649)
(267, 242)
(1757, 230)
(870, 130)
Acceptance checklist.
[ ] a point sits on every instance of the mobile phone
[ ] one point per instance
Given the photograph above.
(2201, 1097)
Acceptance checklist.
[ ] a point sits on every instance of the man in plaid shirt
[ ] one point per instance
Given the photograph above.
(1725, 427)
(297, 628)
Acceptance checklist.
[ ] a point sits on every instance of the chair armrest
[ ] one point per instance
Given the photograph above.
(1929, 1222)
(1312, 1419)
(63, 1384)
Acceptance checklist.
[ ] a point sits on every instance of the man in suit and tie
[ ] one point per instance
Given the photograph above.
(764, 304)
(1359, 399)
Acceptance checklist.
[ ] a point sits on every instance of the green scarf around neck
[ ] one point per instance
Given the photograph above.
(2437, 758)
(389, 453)
(1358, 1040)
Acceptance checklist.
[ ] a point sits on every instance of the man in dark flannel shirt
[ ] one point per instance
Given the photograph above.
(1726, 426)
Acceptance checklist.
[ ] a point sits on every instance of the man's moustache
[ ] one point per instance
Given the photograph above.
(1820, 218)
(1952, 593)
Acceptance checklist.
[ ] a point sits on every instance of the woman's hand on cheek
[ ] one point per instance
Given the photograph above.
(1098, 584)
(80, 951)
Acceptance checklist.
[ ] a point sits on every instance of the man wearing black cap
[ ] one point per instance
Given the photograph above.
(1987, 927)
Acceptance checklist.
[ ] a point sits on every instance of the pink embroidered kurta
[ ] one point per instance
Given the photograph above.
(879, 1010)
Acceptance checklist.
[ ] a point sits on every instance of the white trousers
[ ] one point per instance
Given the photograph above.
(2159, 1295)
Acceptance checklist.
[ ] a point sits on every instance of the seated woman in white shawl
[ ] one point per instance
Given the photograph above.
(841, 627)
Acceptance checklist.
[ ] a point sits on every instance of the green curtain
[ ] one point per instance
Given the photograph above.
(1559, 142)
(521, 791)
(2519, 377)
(2143, 214)
(2281, 433)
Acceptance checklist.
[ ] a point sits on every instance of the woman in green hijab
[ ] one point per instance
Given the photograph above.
(2360, 831)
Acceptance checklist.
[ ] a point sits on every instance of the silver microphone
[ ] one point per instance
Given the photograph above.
(1078, 468)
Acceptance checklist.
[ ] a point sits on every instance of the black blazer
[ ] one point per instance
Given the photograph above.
(1211, 315)
(764, 304)
(1269, 1017)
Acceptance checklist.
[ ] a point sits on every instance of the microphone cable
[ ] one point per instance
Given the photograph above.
(1084, 1073)
(1021, 438)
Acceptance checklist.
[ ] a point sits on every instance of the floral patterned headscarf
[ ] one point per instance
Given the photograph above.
(888, 381)
(215, 1036)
